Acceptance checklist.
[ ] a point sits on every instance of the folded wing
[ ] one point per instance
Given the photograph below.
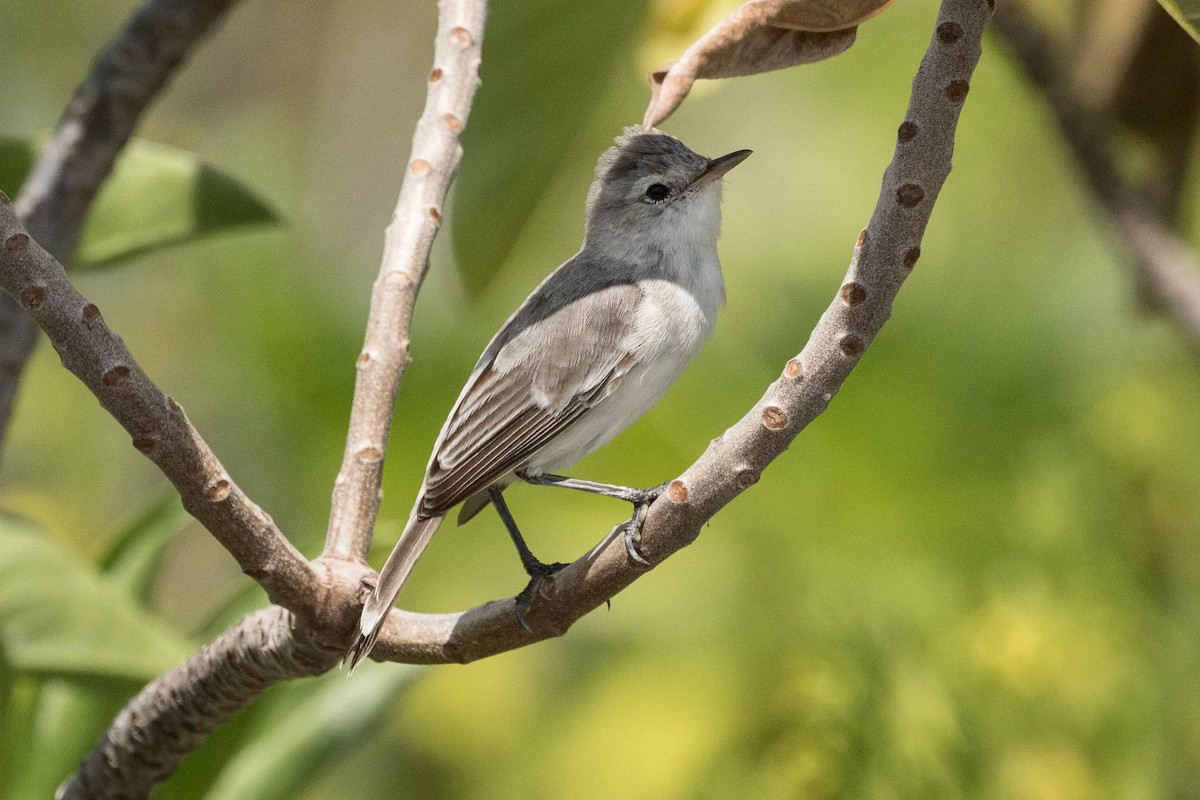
(560, 355)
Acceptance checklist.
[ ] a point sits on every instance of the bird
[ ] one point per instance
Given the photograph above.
(591, 350)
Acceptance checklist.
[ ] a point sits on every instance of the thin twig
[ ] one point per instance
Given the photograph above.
(55, 200)
(886, 252)
(170, 717)
(158, 425)
(431, 167)
(1165, 267)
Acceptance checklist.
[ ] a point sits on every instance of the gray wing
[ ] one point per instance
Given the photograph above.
(564, 351)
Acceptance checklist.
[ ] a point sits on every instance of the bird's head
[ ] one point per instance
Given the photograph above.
(650, 182)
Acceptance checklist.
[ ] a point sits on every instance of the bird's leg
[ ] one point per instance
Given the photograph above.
(640, 498)
(537, 570)
(529, 561)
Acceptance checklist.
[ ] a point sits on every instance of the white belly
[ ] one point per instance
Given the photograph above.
(671, 327)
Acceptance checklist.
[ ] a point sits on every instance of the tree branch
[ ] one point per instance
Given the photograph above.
(175, 714)
(171, 716)
(885, 254)
(431, 167)
(264, 649)
(158, 425)
(57, 195)
(1164, 266)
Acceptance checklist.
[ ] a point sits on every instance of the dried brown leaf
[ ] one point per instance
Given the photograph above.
(760, 36)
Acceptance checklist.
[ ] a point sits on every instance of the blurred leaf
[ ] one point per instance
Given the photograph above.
(16, 722)
(1186, 13)
(245, 598)
(159, 196)
(136, 554)
(546, 60)
(16, 159)
(58, 617)
(68, 717)
(156, 197)
(299, 746)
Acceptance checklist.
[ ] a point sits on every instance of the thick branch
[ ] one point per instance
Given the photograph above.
(157, 423)
(885, 254)
(174, 714)
(1166, 267)
(57, 195)
(262, 651)
(103, 114)
(431, 167)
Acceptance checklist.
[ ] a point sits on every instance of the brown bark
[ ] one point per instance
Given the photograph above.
(57, 196)
(322, 598)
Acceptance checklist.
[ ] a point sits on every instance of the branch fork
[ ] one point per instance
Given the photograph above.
(317, 602)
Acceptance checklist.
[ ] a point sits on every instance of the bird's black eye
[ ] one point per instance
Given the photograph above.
(657, 192)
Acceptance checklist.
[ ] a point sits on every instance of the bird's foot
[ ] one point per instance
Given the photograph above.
(631, 529)
(538, 572)
(644, 498)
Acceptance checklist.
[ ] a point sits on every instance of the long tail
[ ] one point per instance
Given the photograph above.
(395, 572)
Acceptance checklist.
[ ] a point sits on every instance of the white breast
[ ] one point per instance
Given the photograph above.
(673, 321)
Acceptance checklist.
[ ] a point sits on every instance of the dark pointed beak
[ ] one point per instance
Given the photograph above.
(719, 166)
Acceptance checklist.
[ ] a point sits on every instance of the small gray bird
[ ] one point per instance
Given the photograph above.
(589, 352)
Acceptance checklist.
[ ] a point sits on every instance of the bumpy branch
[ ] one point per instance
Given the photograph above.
(885, 254)
(158, 425)
(174, 714)
(1166, 268)
(94, 129)
(431, 167)
(268, 647)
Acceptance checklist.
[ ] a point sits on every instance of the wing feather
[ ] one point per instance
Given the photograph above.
(500, 456)
(551, 363)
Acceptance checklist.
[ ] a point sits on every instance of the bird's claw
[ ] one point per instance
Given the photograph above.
(631, 533)
(646, 497)
(524, 600)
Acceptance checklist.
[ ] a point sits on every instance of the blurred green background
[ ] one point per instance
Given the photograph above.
(976, 576)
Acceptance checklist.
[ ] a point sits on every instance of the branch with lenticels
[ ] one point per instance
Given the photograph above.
(159, 428)
(101, 117)
(321, 599)
(173, 715)
(885, 254)
(431, 168)
(318, 602)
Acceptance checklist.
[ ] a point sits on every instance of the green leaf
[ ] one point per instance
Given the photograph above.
(68, 714)
(297, 746)
(159, 196)
(16, 160)
(16, 721)
(156, 197)
(546, 61)
(68, 717)
(58, 617)
(136, 554)
(1186, 13)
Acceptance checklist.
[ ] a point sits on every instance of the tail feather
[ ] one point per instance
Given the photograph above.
(392, 578)
(473, 505)
(482, 499)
